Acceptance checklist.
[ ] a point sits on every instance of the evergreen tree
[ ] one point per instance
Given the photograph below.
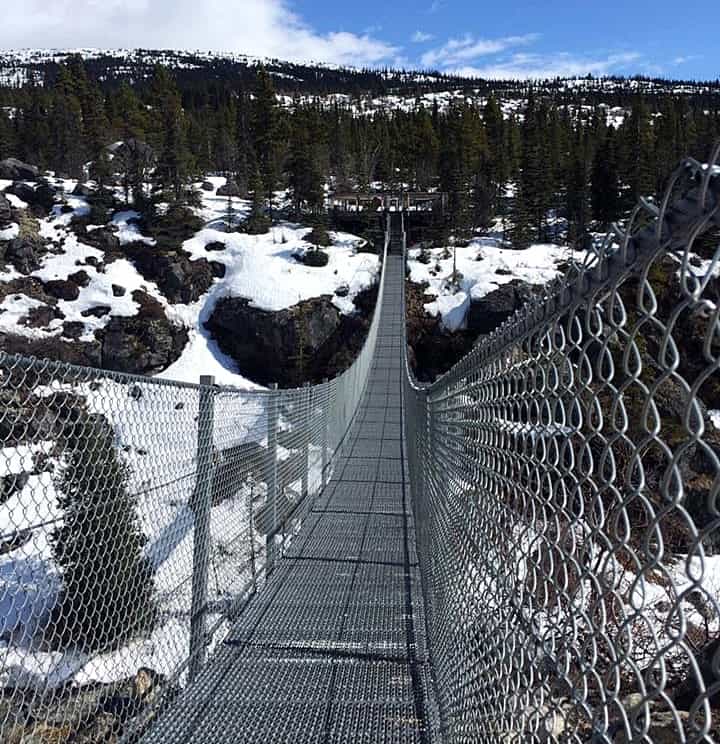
(174, 165)
(258, 222)
(605, 182)
(265, 131)
(305, 178)
(107, 582)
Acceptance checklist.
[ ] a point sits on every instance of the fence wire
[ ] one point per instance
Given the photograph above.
(565, 477)
(137, 518)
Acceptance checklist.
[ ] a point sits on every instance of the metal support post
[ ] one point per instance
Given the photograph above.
(200, 504)
(306, 423)
(271, 470)
(325, 424)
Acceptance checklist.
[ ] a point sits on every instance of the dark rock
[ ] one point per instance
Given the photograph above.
(142, 343)
(93, 261)
(11, 484)
(81, 278)
(15, 170)
(343, 290)
(23, 254)
(316, 258)
(136, 392)
(85, 354)
(62, 289)
(23, 191)
(73, 329)
(118, 291)
(207, 186)
(218, 269)
(215, 246)
(82, 190)
(42, 197)
(229, 189)
(268, 344)
(179, 278)
(97, 311)
(489, 312)
(29, 286)
(5, 211)
(41, 316)
(66, 209)
(103, 239)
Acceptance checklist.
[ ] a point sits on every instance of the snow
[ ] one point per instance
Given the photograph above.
(15, 201)
(262, 268)
(452, 308)
(11, 232)
(714, 417)
(483, 265)
(127, 229)
(14, 309)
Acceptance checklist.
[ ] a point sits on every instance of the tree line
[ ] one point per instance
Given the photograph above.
(552, 169)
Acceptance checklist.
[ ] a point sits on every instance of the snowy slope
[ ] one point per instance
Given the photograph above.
(484, 266)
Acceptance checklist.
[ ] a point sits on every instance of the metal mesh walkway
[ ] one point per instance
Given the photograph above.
(333, 649)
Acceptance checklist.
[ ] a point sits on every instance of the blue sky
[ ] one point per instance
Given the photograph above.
(504, 38)
(555, 36)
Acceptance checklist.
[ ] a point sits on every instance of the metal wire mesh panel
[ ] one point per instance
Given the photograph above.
(137, 518)
(565, 478)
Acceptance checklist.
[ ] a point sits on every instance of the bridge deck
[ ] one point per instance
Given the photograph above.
(333, 649)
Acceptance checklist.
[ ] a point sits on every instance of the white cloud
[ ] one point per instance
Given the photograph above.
(459, 51)
(266, 28)
(539, 66)
(420, 36)
(684, 59)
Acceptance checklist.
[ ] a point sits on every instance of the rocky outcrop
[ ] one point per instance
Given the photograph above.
(82, 190)
(24, 253)
(87, 354)
(142, 344)
(305, 342)
(104, 239)
(85, 714)
(492, 310)
(229, 189)
(62, 289)
(5, 212)
(179, 278)
(41, 196)
(13, 169)
(268, 344)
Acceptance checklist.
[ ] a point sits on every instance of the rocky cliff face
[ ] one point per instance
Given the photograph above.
(306, 342)
(434, 350)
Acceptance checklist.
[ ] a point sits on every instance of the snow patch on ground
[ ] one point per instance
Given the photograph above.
(483, 266)
(127, 229)
(11, 232)
(263, 269)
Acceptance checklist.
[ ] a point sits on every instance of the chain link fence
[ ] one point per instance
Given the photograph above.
(137, 518)
(565, 477)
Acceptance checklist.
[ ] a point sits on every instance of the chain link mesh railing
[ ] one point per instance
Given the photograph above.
(137, 517)
(565, 477)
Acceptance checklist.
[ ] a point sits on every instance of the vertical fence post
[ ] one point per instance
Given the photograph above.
(271, 470)
(325, 423)
(200, 503)
(251, 533)
(306, 424)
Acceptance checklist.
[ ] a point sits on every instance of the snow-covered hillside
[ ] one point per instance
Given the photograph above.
(483, 266)
(94, 286)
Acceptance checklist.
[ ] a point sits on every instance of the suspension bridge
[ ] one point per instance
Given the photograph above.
(523, 551)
